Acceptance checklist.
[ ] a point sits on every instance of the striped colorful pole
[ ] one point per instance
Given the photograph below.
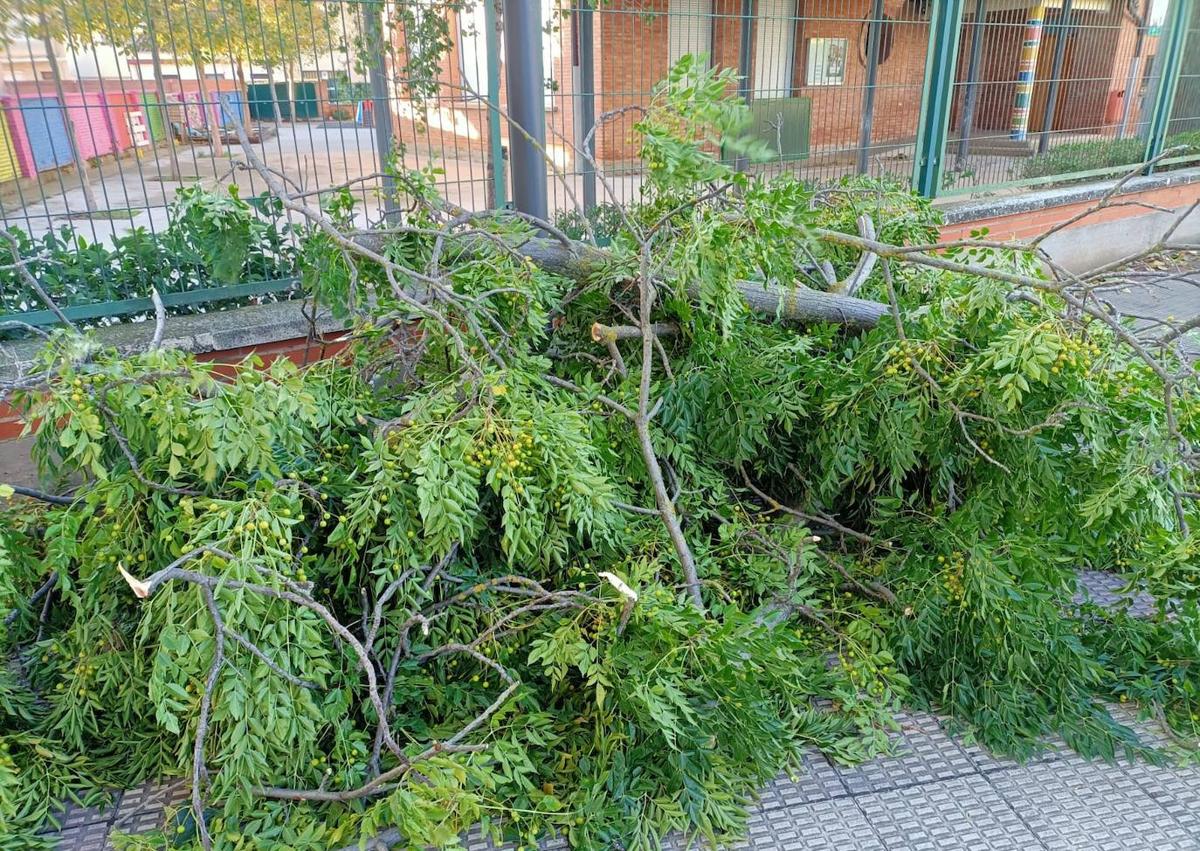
(1026, 71)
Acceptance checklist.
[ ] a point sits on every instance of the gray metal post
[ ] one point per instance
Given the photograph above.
(874, 32)
(1135, 68)
(498, 186)
(1056, 70)
(526, 104)
(745, 46)
(585, 102)
(381, 109)
(967, 122)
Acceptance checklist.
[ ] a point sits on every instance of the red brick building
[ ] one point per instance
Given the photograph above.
(811, 56)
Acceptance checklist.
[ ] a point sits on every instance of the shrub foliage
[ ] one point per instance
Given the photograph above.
(484, 568)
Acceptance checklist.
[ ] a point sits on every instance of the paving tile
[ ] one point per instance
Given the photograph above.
(141, 809)
(965, 813)
(1072, 804)
(816, 780)
(835, 825)
(74, 815)
(1108, 589)
(986, 761)
(88, 837)
(1176, 790)
(925, 755)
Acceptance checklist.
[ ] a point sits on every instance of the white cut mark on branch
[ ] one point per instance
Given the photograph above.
(160, 319)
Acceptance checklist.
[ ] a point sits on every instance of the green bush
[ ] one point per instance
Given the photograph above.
(1073, 157)
(210, 240)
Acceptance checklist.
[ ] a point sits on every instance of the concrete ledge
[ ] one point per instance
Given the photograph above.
(238, 329)
(956, 212)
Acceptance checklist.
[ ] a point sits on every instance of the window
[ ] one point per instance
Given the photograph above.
(689, 28)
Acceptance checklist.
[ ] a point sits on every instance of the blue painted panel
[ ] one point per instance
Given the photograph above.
(232, 112)
(46, 127)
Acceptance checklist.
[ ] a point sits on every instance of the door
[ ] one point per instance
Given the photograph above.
(283, 100)
(231, 109)
(689, 28)
(8, 156)
(1042, 79)
(46, 128)
(306, 101)
(259, 97)
(774, 48)
(154, 117)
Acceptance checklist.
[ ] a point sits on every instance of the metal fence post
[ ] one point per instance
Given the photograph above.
(1170, 49)
(496, 161)
(1063, 29)
(745, 48)
(945, 21)
(526, 104)
(971, 97)
(586, 103)
(381, 109)
(874, 32)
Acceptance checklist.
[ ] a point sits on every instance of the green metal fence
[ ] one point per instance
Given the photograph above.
(949, 96)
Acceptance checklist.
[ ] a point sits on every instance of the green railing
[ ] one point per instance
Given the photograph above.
(133, 306)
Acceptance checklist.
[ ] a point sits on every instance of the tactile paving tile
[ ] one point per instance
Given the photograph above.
(925, 754)
(1176, 790)
(1071, 804)
(475, 840)
(1107, 590)
(816, 780)
(88, 837)
(965, 813)
(74, 815)
(836, 825)
(986, 761)
(1149, 730)
(141, 809)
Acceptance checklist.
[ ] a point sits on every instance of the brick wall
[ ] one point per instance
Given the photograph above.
(300, 350)
(632, 53)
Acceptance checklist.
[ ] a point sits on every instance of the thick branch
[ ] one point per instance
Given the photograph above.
(580, 262)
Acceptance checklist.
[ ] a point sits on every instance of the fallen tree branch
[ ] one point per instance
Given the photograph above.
(822, 519)
(612, 333)
(44, 590)
(42, 496)
(866, 261)
(580, 262)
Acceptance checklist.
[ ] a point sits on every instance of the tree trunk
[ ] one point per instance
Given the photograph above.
(214, 128)
(160, 92)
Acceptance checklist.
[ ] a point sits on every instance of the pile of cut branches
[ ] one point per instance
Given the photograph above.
(593, 542)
